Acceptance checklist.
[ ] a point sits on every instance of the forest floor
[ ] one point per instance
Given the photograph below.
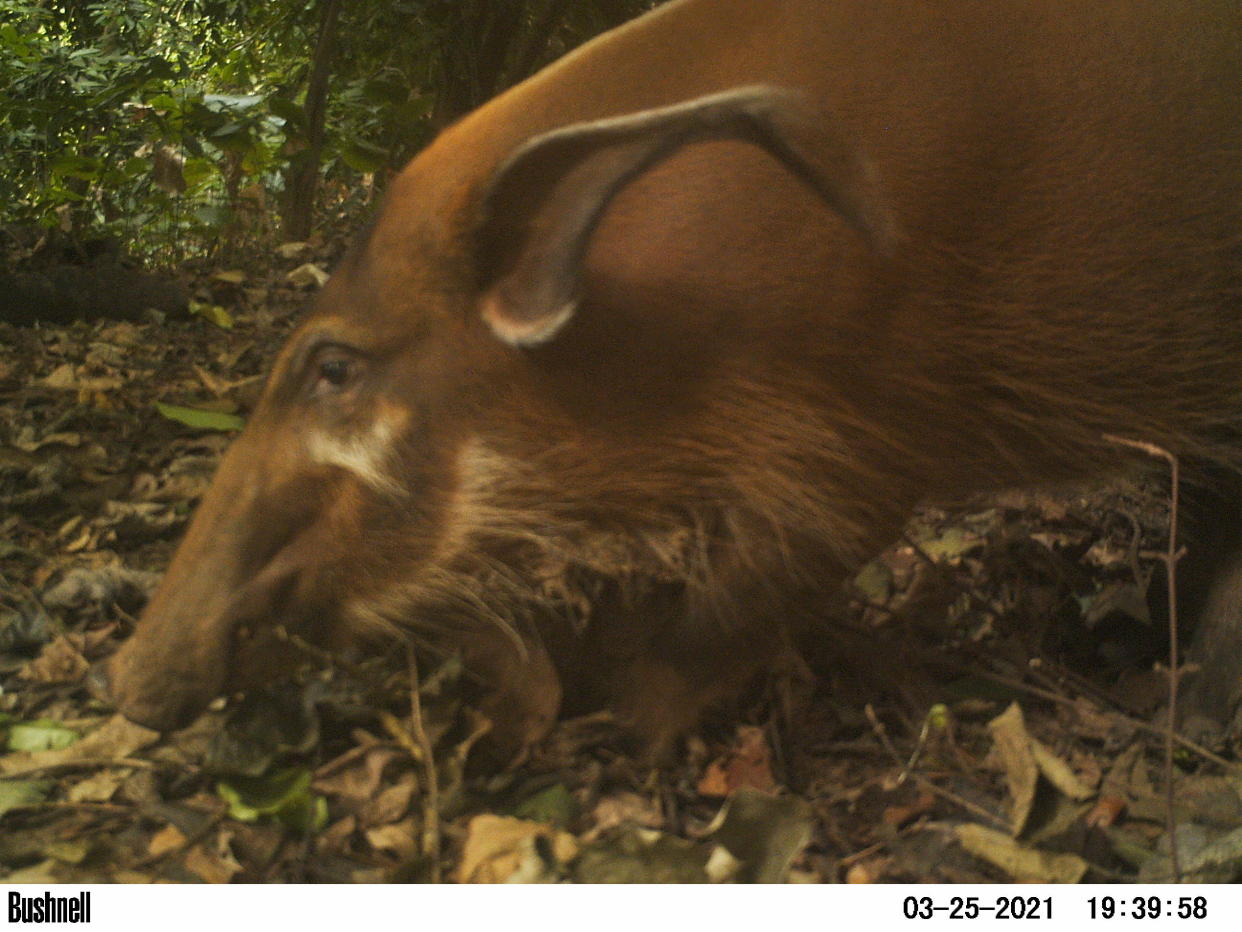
(988, 711)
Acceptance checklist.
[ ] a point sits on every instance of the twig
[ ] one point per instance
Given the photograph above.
(90, 763)
(851, 859)
(64, 804)
(923, 782)
(324, 657)
(418, 745)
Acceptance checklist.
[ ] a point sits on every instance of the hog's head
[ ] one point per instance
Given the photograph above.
(431, 451)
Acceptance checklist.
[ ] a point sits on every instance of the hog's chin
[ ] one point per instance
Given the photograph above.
(273, 650)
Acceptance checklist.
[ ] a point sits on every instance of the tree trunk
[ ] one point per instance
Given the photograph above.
(302, 178)
(536, 43)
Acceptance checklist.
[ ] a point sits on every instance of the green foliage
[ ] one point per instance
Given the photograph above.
(16, 793)
(176, 125)
(199, 419)
(39, 735)
(98, 106)
(284, 795)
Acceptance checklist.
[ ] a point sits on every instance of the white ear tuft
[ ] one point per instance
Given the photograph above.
(522, 331)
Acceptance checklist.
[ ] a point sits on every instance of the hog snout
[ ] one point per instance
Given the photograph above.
(162, 678)
(189, 646)
(165, 702)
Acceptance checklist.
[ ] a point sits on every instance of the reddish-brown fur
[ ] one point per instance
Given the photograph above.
(1038, 243)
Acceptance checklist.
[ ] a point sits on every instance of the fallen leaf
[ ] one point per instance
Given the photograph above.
(401, 838)
(292, 250)
(116, 738)
(58, 662)
(1025, 760)
(897, 816)
(638, 855)
(167, 839)
(97, 788)
(84, 586)
(874, 582)
(747, 764)
(763, 832)
(1013, 746)
(40, 735)
(866, 871)
(502, 849)
(1105, 812)
(212, 313)
(1059, 773)
(391, 803)
(16, 793)
(354, 778)
(1026, 865)
(200, 419)
(213, 862)
(554, 806)
(284, 795)
(307, 275)
(623, 807)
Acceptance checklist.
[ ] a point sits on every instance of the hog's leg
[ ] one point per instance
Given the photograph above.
(521, 692)
(1209, 580)
(1210, 700)
(686, 671)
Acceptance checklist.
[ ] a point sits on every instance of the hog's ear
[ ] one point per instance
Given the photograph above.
(545, 201)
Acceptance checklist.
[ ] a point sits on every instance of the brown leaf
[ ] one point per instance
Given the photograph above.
(401, 838)
(354, 779)
(1020, 862)
(747, 764)
(213, 860)
(58, 662)
(1025, 761)
(98, 788)
(867, 871)
(1105, 812)
(336, 837)
(624, 807)
(392, 802)
(897, 816)
(499, 847)
(167, 839)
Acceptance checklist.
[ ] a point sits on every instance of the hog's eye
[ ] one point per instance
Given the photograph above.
(333, 371)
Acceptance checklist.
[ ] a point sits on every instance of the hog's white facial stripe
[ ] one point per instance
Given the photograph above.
(365, 455)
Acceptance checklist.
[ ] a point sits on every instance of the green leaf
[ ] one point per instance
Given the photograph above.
(199, 419)
(284, 795)
(196, 171)
(212, 313)
(163, 102)
(875, 582)
(287, 109)
(212, 215)
(76, 166)
(363, 157)
(14, 793)
(231, 102)
(555, 806)
(951, 544)
(40, 735)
